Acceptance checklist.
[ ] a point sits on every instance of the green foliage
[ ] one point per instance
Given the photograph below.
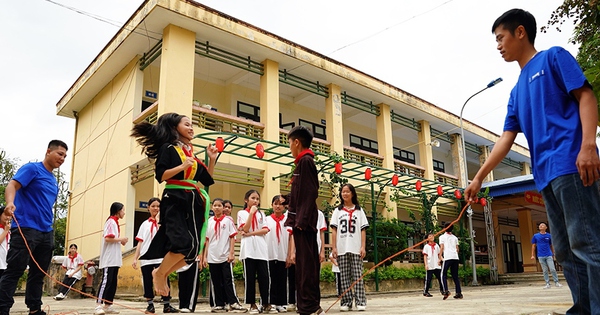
(60, 228)
(204, 275)
(173, 276)
(333, 180)
(466, 275)
(8, 168)
(326, 274)
(238, 270)
(395, 273)
(392, 237)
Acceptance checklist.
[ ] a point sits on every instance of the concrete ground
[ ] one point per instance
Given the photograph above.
(500, 300)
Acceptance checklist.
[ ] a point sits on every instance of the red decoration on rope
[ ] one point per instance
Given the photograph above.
(483, 201)
(395, 179)
(220, 144)
(418, 185)
(457, 194)
(260, 150)
(440, 190)
(338, 168)
(368, 173)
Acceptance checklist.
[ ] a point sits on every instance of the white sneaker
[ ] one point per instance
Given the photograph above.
(291, 307)
(237, 308)
(280, 309)
(185, 310)
(558, 285)
(59, 296)
(110, 310)
(345, 308)
(99, 310)
(361, 308)
(547, 286)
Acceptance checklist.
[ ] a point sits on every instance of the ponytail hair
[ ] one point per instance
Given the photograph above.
(152, 137)
(115, 208)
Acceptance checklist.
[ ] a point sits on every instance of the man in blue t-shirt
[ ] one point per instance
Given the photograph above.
(555, 108)
(30, 197)
(542, 241)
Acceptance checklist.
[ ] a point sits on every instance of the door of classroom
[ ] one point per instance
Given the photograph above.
(513, 257)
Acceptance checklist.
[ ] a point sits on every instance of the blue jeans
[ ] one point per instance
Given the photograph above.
(548, 264)
(573, 211)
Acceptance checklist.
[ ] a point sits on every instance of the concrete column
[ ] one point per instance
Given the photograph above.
(385, 141)
(526, 231)
(499, 249)
(458, 160)
(425, 152)
(333, 117)
(176, 83)
(485, 154)
(269, 116)
(526, 169)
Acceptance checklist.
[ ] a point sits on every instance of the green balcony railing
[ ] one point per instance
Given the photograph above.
(211, 120)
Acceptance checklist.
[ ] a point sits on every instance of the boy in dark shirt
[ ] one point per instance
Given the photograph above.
(302, 217)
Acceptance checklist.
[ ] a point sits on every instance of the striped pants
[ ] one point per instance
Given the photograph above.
(351, 268)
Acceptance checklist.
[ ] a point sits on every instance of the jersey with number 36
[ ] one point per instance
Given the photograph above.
(349, 225)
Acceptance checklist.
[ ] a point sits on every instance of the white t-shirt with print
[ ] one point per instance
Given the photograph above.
(431, 253)
(349, 227)
(71, 263)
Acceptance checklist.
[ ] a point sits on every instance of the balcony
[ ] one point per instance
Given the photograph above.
(358, 155)
(408, 168)
(445, 178)
(318, 145)
(150, 114)
(215, 121)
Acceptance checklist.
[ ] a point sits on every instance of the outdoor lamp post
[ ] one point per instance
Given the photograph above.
(466, 178)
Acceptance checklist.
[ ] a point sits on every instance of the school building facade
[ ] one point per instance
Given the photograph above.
(233, 78)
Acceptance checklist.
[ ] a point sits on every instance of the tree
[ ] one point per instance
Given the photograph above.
(60, 213)
(8, 167)
(585, 15)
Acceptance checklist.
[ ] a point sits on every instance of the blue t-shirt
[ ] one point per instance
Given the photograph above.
(542, 243)
(542, 107)
(35, 199)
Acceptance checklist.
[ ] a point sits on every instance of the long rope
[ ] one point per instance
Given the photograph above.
(60, 282)
(396, 254)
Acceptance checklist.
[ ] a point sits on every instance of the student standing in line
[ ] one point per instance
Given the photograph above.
(302, 218)
(277, 244)
(252, 227)
(541, 244)
(349, 235)
(555, 107)
(219, 253)
(146, 233)
(111, 259)
(431, 259)
(449, 251)
(72, 264)
(184, 206)
(5, 224)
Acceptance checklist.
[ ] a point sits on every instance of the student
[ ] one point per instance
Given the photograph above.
(183, 210)
(302, 218)
(277, 244)
(252, 227)
(227, 207)
(144, 237)
(72, 264)
(4, 239)
(431, 253)
(541, 244)
(336, 272)
(30, 196)
(219, 253)
(349, 235)
(111, 260)
(449, 251)
(321, 228)
(555, 108)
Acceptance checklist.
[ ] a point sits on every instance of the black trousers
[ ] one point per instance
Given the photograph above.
(451, 264)
(147, 283)
(189, 283)
(108, 285)
(278, 289)
(291, 278)
(221, 284)
(41, 245)
(308, 270)
(252, 267)
(69, 282)
(429, 277)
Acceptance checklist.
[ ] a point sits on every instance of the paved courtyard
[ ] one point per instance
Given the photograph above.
(502, 299)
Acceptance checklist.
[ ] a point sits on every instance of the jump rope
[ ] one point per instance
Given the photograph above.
(47, 307)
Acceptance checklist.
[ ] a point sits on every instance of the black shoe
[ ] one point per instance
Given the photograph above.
(426, 294)
(150, 309)
(458, 296)
(38, 312)
(170, 309)
(446, 294)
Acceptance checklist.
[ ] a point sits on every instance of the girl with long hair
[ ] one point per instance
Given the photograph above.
(183, 210)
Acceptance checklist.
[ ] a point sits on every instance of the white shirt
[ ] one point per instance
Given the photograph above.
(71, 263)
(219, 238)
(144, 237)
(450, 241)
(431, 256)
(254, 246)
(321, 226)
(110, 254)
(349, 223)
(4, 245)
(277, 246)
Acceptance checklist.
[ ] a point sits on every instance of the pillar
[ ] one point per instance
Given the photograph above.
(425, 151)
(269, 116)
(526, 232)
(386, 149)
(485, 154)
(526, 168)
(458, 160)
(333, 117)
(498, 241)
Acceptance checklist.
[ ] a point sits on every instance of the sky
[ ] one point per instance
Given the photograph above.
(442, 51)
